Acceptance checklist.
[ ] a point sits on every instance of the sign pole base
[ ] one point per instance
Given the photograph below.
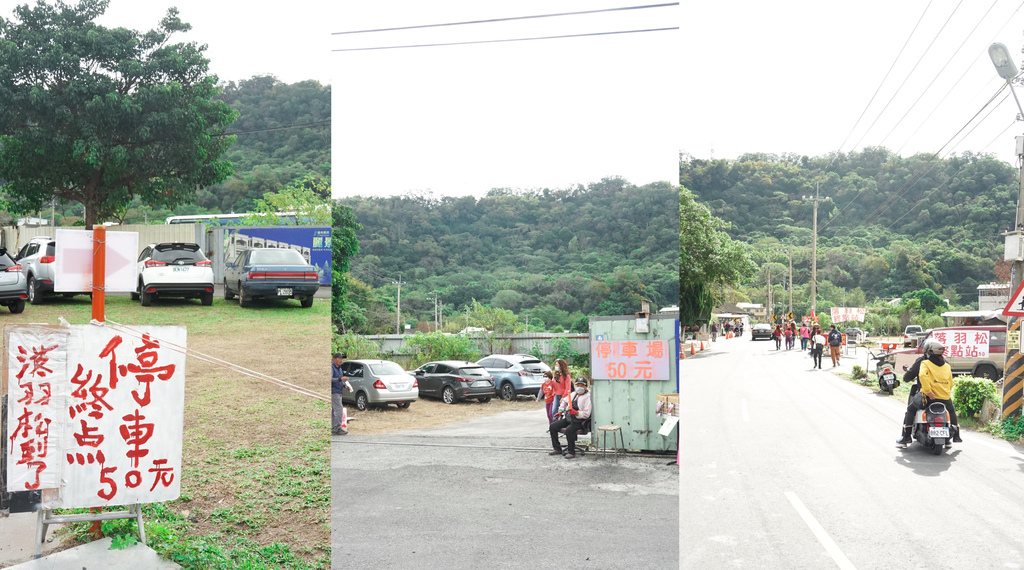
(46, 517)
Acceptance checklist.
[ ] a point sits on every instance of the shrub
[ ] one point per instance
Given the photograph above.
(1012, 428)
(441, 346)
(355, 346)
(859, 373)
(970, 393)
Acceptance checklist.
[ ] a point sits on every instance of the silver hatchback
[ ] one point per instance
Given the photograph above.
(378, 382)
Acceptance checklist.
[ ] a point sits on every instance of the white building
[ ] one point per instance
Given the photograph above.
(993, 296)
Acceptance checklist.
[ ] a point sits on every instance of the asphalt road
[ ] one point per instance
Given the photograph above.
(788, 467)
(485, 494)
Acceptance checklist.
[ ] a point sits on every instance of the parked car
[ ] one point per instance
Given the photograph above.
(761, 330)
(454, 380)
(174, 270)
(270, 274)
(910, 335)
(990, 366)
(515, 374)
(13, 290)
(854, 334)
(378, 383)
(38, 260)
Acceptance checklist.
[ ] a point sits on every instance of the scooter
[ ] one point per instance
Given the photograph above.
(931, 426)
(887, 379)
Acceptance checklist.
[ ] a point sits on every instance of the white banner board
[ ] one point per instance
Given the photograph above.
(115, 437)
(971, 343)
(36, 365)
(844, 314)
(630, 359)
(74, 251)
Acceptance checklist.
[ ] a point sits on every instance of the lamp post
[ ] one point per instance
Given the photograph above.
(1014, 367)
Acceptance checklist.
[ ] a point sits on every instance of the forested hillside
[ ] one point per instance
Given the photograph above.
(889, 226)
(266, 155)
(556, 255)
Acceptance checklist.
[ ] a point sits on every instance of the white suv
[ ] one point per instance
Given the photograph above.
(174, 270)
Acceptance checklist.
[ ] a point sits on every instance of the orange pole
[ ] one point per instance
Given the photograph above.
(99, 270)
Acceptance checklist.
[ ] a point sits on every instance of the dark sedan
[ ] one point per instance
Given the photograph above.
(761, 330)
(454, 380)
(270, 274)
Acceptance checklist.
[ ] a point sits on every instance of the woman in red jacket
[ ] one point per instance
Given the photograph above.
(562, 382)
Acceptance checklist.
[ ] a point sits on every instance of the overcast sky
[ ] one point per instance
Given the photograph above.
(460, 120)
(244, 38)
(794, 76)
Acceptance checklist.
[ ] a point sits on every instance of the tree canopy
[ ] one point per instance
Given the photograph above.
(100, 115)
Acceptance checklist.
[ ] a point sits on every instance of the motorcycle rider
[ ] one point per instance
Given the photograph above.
(935, 379)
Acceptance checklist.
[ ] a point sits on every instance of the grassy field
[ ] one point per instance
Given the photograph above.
(255, 475)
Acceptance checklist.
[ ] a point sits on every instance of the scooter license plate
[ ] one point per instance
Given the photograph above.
(938, 432)
(284, 291)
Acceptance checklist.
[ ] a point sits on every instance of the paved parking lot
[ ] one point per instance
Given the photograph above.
(485, 493)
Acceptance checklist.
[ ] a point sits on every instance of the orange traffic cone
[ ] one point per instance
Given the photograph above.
(702, 345)
(682, 355)
(692, 350)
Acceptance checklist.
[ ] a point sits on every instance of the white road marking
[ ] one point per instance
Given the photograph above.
(743, 408)
(819, 532)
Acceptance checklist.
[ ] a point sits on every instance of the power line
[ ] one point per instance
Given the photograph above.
(907, 78)
(283, 128)
(509, 19)
(511, 40)
(962, 75)
(879, 88)
(936, 76)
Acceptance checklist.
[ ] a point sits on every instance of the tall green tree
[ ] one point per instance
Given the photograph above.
(708, 257)
(344, 245)
(100, 115)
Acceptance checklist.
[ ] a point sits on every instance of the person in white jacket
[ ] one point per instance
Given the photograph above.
(571, 414)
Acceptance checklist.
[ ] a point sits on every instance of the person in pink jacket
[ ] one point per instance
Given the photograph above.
(805, 336)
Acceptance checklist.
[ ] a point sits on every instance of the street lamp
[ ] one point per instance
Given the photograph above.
(1005, 67)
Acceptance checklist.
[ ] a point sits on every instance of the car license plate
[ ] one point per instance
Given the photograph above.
(938, 432)
(399, 387)
(481, 383)
(284, 291)
(180, 269)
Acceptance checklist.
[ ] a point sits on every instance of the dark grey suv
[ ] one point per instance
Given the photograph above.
(515, 374)
(454, 380)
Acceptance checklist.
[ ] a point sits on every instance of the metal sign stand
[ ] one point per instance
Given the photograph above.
(46, 517)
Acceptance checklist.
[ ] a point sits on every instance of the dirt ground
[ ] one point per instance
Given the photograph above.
(428, 413)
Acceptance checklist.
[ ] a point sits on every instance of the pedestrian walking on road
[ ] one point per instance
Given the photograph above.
(835, 338)
(790, 336)
(817, 347)
(777, 337)
(805, 336)
(714, 332)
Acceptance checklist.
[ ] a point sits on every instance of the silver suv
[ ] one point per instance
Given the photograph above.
(12, 283)
(37, 262)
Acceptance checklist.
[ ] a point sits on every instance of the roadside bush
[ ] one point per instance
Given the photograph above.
(1012, 428)
(859, 373)
(355, 346)
(970, 393)
(441, 346)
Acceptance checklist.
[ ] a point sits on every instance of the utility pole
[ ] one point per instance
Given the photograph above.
(1014, 367)
(398, 313)
(771, 304)
(814, 252)
(790, 279)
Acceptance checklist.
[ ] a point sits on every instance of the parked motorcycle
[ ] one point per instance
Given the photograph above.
(931, 426)
(885, 365)
(887, 379)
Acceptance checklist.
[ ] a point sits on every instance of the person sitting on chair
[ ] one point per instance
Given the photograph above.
(571, 415)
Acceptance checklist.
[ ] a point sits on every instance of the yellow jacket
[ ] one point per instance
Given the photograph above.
(938, 379)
